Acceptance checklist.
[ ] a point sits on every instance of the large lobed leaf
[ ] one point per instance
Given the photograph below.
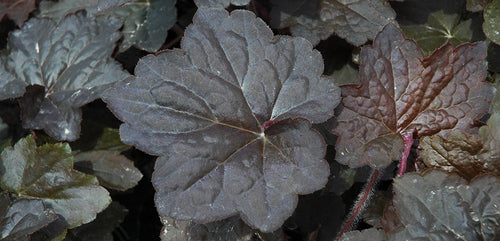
(356, 21)
(145, 22)
(21, 218)
(221, 114)
(402, 92)
(46, 173)
(65, 65)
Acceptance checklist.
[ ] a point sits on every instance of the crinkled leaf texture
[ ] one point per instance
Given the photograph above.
(442, 206)
(17, 10)
(401, 92)
(65, 65)
(440, 29)
(46, 173)
(220, 3)
(223, 115)
(21, 218)
(371, 234)
(354, 20)
(145, 22)
(491, 25)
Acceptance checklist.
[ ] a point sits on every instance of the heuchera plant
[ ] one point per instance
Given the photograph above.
(241, 131)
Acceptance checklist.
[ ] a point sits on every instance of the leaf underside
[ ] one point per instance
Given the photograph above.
(204, 111)
(401, 92)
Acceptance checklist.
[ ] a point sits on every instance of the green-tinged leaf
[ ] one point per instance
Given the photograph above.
(113, 170)
(145, 22)
(493, 57)
(491, 25)
(346, 75)
(102, 227)
(46, 173)
(233, 229)
(21, 218)
(105, 161)
(476, 5)
(55, 231)
(371, 234)
(356, 21)
(440, 28)
(495, 103)
(490, 137)
(17, 10)
(65, 66)
(374, 211)
(402, 92)
(219, 3)
(441, 206)
(229, 115)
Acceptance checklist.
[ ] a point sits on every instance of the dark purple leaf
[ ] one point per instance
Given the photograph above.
(68, 64)
(402, 92)
(17, 10)
(203, 111)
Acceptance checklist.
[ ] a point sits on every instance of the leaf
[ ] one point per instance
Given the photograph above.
(65, 65)
(17, 10)
(402, 92)
(440, 206)
(346, 75)
(371, 234)
(491, 25)
(476, 5)
(440, 28)
(232, 228)
(46, 173)
(489, 135)
(223, 116)
(21, 218)
(355, 21)
(219, 3)
(145, 22)
(105, 161)
(102, 227)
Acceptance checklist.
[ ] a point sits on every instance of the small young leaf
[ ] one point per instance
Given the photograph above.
(17, 10)
(19, 219)
(356, 21)
(401, 92)
(440, 28)
(491, 25)
(46, 173)
(66, 66)
(440, 206)
(223, 115)
(105, 161)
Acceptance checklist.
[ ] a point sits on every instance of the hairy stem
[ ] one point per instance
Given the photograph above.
(408, 140)
(362, 201)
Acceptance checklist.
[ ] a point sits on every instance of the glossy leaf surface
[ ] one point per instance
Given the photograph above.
(440, 28)
(21, 218)
(401, 92)
(491, 25)
(46, 173)
(220, 3)
(220, 116)
(66, 65)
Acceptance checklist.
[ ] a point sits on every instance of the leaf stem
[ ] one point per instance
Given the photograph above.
(408, 140)
(362, 201)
